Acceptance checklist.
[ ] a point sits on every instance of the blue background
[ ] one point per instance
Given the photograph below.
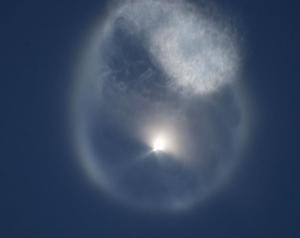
(43, 192)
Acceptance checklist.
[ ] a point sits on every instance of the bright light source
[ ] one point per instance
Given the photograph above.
(159, 144)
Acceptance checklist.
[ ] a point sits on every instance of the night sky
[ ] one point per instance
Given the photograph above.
(43, 190)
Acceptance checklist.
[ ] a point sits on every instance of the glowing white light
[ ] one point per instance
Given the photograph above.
(159, 144)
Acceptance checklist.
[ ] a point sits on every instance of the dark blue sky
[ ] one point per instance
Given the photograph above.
(43, 193)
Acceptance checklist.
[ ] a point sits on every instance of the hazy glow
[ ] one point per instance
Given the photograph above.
(167, 99)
